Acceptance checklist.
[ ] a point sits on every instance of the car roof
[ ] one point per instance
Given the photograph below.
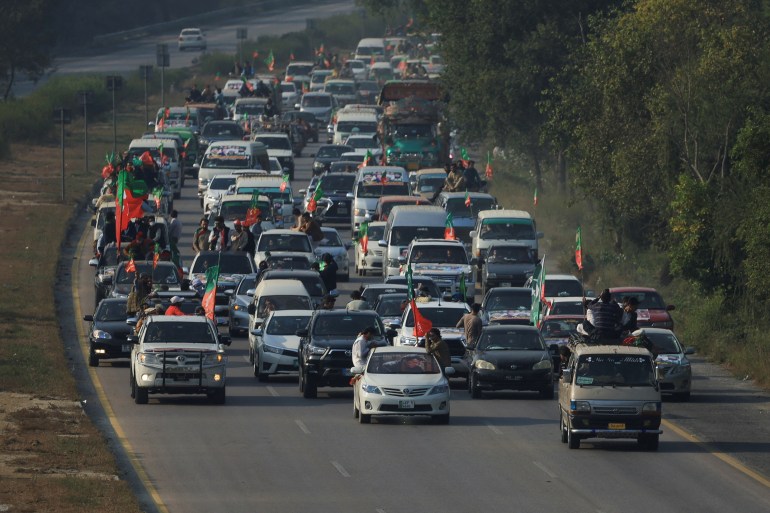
(570, 299)
(400, 349)
(582, 349)
(453, 195)
(437, 303)
(561, 277)
(288, 287)
(290, 313)
(187, 319)
(344, 312)
(283, 231)
(505, 213)
(632, 289)
(291, 272)
(508, 327)
(404, 197)
(437, 242)
(661, 331)
(512, 289)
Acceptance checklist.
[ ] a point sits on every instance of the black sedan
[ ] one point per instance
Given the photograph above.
(507, 265)
(108, 331)
(510, 358)
(327, 154)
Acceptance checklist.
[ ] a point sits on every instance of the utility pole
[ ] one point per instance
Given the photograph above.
(85, 97)
(240, 35)
(162, 61)
(63, 117)
(114, 83)
(145, 70)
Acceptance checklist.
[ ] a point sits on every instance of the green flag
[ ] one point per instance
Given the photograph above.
(463, 287)
(210, 296)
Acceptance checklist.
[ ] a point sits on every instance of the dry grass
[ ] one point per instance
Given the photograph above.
(52, 458)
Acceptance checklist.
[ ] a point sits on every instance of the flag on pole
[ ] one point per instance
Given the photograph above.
(363, 236)
(421, 325)
(320, 50)
(488, 172)
(130, 266)
(410, 23)
(248, 84)
(367, 159)
(270, 61)
(217, 76)
(467, 199)
(579, 249)
(155, 255)
(284, 183)
(312, 205)
(449, 229)
(464, 156)
(253, 211)
(210, 296)
(254, 54)
(463, 288)
(534, 199)
(541, 281)
(291, 56)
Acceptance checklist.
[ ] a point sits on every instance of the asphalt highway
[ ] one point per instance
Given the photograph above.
(270, 450)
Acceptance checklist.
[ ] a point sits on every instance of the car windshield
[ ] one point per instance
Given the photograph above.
(559, 328)
(411, 131)
(316, 101)
(458, 208)
(318, 78)
(376, 190)
(168, 153)
(340, 88)
(511, 340)
(288, 87)
(221, 183)
(664, 343)
(333, 151)
(222, 130)
(286, 324)
(179, 333)
(191, 32)
(509, 255)
(440, 317)
(368, 86)
(567, 308)
(346, 167)
(232, 210)
(386, 208)
(421, 284)
(298, 263)
(454, 254)
(430, 183)
(614, 370)
(362, 142)
(563, 288)
(511, 229)
(373, 292)
(162, 274)
(402, 363)
(375, 233)
(247, 283)
(508, 300)
(109, 256)
(225, 162)
(275, 143)
(647, 299)
(403, 235)
(331, 240)
(362, 126)
(312, 282)
(345, 325)
(109, 311)
(338, 182)
(284, 242)
(390, 306)
(299, 69)
(228, 263)
(250, 109)
(274, 303)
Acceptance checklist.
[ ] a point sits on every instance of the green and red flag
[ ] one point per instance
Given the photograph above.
(449, 228)
(270, 61)
(488, 171)
(291, 56)
(155, 255)
(410, 23)
(210, 296)
(254, 54)
(463, 287)
(320, 50)
(422, 325)
(248, 84)
(363, 236)
(284, 182)
(467, 199)
(130, 266)
(464, 156)
(312, 205)
(253, 211)
(217, 76)
(579, 249)
(534, 199)
(541, 281)
(367, 159)
(129, 197)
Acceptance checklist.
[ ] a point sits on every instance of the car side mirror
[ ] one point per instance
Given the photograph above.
(229, 292)
(660, 374)
(539, 235)
(474, 261)
(401, 260)
(225, 340)
(566, 375)
(252, 309)
(257, 332)
(356, 370)
(670, 308)
(449, 371)
(251, 292)
(689, 350)
(312, 155)
(473, 233)
(349, 195)
(375, 217)
(196, 166)
(89, 318)
(382, 243)
(296, 106)
(301, 333)
(132, 339)
(94, 262)
(391, 333)
(131, 321)
(553, 349)
(302, 191)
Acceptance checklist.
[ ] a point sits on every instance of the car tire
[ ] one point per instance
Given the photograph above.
(251, 355)
(441, 419)
(255, 365)
(301, 380)
(132, 384)
(473, 386)
(483, 289)
(649, 442)
(141, 395)
(93, 360)
(261, 376)
(547, 392)
(355, 411)
(562, 428)
(218, 396)
(201, 202)
(364, 418)
(573, 442)
(310, 389)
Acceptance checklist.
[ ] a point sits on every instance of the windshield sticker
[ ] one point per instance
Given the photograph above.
(375, 176)
(227, 151)
(584, 380)
(510, 314)
(643, 314)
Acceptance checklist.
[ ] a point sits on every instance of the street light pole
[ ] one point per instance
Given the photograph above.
(85, 97)
(62, 116)
(114, 82)
(162, 61)
(145, 70)
(240, 35)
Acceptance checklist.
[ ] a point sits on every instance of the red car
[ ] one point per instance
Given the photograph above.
(652, 310)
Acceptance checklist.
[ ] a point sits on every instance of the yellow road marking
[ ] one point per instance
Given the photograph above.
(737, 465)
(83, 339)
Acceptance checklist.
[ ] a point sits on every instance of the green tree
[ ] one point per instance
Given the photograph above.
(26, 41)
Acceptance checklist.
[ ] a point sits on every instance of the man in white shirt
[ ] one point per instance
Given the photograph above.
(362, 345)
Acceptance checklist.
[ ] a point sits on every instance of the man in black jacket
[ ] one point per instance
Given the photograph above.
(607, 316)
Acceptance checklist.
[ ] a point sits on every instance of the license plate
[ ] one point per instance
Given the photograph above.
(126, 348)
(505, 284)
(406, 405)
(514, 378)
(616, 425)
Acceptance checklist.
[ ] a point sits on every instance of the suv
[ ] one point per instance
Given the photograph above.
(443, 260)
(279, 146)
(326, 347)
(178, 355)
(507, 264)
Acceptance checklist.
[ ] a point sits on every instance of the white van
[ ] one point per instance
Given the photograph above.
(373, 182)
(354, 121)
(496, 226)
(226, 157)
(270, 186)
(370, 48)
(169, 164)
(406, 223)
(272, 295)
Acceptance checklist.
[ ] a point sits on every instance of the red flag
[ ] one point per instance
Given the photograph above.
(421, 325)
(372, 61)
(312, 205)
(156, 256)
(410, 23)
(467, 199)
(488, 171)
(291, 56)
(254, 54)
(130, 266)
(449, 229)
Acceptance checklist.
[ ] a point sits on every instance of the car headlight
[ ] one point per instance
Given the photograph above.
(213, 359)
(318, 165)
(485, 365)
(202, 182)
(439, 389)
(101, 335)
(580, 406)
(317, 350)
(359, 212)
(543, 364)
(409, 341)
(491, 275)
(277, 350)
(370, 389)
(651, 409)
(149, 358)
(109, 273)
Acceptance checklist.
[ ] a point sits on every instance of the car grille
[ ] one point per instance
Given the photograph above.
(405, 392)
(181, 359)
(615, 410)
(334, 211)
(376, 252)
(395, 408)
(442, 281)
(340, 355)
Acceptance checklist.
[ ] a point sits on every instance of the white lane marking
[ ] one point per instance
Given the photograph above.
(246, 359)
(494, 429)
(380, 510)
(340, 469)
(273, 391)
(302, 426)
(544, 469)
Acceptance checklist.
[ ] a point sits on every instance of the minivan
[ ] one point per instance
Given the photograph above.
(373, 182)
(495, 226)
(225, 157)
(406, 223)
(271, 295)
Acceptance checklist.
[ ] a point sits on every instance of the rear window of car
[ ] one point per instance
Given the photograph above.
(646, 299)
(345, 325)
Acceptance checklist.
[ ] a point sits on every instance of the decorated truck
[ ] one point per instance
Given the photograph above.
(413, 129)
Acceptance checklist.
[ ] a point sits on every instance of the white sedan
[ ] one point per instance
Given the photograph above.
(332, 244)
(401, 381)
(191, 38)
(273, 347)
